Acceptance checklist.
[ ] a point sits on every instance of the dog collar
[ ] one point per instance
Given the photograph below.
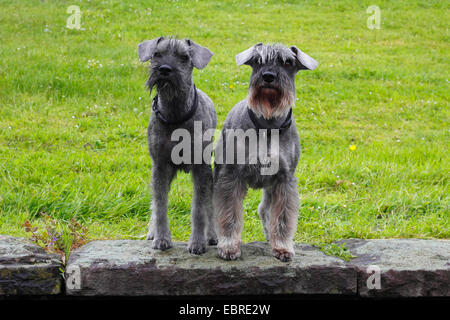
(178, 121)
(285, 125)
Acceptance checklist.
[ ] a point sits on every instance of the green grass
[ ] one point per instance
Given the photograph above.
(73, 133)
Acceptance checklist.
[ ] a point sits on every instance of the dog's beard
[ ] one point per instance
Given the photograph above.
(172, 88)
(270, 102)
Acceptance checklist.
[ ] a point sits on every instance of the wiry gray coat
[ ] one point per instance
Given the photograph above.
(270, 101)
(176, 92)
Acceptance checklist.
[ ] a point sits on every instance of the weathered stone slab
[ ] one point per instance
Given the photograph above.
(406, 267)
(26, 269)
(132, 268)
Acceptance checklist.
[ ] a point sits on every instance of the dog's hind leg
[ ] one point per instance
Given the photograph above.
(151, 227)
(159, 230)
(201, 204)
(283, 219)
(228, 197)
(264, 210)
(211, 233)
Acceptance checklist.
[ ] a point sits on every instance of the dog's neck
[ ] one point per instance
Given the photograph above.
(282, 122)
(174, 105)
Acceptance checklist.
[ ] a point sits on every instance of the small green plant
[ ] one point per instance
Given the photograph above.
(340, 251)
(57, 236)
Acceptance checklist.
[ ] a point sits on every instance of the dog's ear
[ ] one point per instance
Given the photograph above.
(200, 55)
(246, 56)
(304, 61)
(147, 48)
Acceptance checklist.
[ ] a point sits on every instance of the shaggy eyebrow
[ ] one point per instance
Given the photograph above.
(271, 52)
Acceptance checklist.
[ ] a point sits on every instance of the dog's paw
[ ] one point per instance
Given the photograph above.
(150, 235)
(197, 247)
(212, 238)
(212, 241)
(161, 244)
(228, 254)
(282, 254)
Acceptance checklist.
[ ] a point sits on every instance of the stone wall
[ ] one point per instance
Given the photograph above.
(382, 268)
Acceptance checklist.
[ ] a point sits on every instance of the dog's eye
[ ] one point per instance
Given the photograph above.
(288, 63)
(184, 57)
(156, 55)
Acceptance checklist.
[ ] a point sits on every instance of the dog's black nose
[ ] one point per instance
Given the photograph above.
(165, 69)
(268, 76)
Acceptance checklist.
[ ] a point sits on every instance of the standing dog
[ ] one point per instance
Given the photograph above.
(268, 107)
(178, 104)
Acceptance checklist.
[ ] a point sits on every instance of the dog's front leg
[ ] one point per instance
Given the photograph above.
(283, 219)
(159, 226)
(227, 199)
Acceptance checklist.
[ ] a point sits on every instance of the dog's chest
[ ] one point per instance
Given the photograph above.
(181, 147)
(160, 141)
(278, 165)
(255, 177)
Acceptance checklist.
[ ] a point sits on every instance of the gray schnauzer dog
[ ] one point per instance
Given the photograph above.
(268, 106)
(178, 104)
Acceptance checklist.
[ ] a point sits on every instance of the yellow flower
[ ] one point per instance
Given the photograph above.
(231, 86)
(352, 147)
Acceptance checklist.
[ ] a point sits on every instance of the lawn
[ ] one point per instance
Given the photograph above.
(74, 111)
